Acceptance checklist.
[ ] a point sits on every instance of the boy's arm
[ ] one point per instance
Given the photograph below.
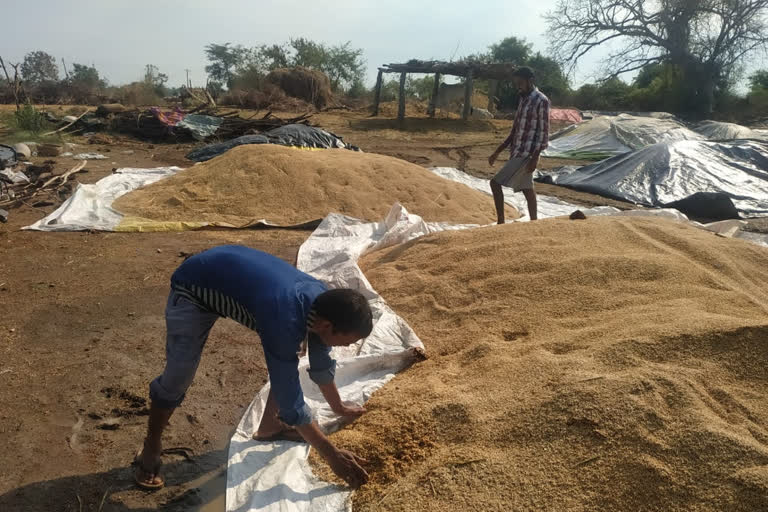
(345, 464)
(322, 371)
(331, 394)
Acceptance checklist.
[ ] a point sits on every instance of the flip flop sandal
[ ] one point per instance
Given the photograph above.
(154, 472)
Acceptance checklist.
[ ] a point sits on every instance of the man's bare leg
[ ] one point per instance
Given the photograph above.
(530, 197)
(271, 428)
(498, 200)
(149, 460)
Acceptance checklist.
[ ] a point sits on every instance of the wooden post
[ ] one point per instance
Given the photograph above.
(468, 89)
(433, 100)
(401, 98)
(493, 92)
(377, 93)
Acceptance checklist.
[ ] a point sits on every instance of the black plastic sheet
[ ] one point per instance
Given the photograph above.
(700, 178)
(296, 135)
(304, 136)
(213, 150)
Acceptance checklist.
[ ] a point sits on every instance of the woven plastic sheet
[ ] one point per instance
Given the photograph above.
(90, 207)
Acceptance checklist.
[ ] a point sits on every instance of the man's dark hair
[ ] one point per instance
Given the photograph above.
(347, 310)
(524, 72)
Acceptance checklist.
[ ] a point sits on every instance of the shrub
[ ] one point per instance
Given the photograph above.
(29, 119)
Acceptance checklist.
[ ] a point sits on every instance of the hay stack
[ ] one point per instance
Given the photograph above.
(309, 85)
(610, 364)
(288, 186)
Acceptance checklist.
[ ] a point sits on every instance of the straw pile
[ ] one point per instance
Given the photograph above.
(609, 364)
(289, 186)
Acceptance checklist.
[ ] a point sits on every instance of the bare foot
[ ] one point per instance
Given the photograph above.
(286, 434)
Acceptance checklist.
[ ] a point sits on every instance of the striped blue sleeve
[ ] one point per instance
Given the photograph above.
(322, 367)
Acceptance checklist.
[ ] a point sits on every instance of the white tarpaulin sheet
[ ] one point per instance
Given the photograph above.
(547, 206)
(275, 477)
(90, 207)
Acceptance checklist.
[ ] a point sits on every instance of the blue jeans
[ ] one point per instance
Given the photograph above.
(187, 328)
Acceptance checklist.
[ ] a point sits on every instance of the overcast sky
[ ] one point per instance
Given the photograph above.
(119, 37)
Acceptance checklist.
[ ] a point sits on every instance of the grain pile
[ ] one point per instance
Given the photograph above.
(611, 364)
(289, 186)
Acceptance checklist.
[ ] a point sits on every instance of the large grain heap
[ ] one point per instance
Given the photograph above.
(288, 186)
(608, 364)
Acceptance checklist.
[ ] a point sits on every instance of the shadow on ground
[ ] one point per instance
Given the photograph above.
(192, 483)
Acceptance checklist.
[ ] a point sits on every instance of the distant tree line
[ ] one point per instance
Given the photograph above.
(237, 67)
(42, 82)
(684, 57)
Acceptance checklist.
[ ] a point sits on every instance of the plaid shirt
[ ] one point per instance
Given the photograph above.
(530, 133)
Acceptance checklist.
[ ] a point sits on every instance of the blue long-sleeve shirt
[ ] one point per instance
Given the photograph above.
(270, 296)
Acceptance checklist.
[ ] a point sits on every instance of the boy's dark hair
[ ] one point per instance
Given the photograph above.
(524, 72)
(347, 310)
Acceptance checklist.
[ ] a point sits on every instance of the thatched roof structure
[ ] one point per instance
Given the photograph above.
(480, 70)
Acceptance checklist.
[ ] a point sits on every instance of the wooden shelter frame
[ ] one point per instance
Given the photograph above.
(469, 70)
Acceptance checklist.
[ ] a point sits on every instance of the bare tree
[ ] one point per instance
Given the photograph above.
(15, 86)
(707, 39)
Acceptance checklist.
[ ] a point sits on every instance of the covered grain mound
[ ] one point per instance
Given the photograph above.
(610, 364)
(288, 186)
(309, 85)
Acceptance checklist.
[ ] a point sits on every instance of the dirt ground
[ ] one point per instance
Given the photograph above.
(82, 333)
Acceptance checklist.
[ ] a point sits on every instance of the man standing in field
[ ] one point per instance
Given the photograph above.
(292, 312)
(529, 137)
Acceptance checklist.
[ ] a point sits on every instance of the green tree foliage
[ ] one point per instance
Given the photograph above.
(225, 60)
(39, 67)
(550, 77)
(661, 87)
(708, 41)
(239, 67)
(757, 99)
(273, 57)
(758, 81)
(415, 88)
(390, 90)
(342, 63)
(358, 89)
(155, 80)
(420, 88)
(510, 49)
(86, 77)
(84, 83)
